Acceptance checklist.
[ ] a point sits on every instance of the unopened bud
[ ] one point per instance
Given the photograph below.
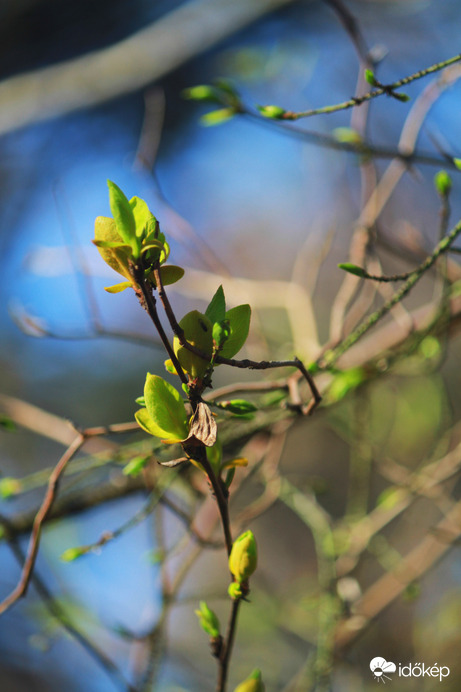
(442, 182)
(254, 683)
(274, 112)
(243, 558)
(208, 620)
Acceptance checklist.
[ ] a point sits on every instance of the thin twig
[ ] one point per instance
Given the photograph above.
(385, 89)
(34, 542)
(332, 356)
(58, 612)
(224, 659)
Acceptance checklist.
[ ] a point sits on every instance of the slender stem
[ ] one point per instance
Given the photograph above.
(384, 89)
(151, 309)
(330, 357)
(34, 542)
(219, 494)
(226, 653)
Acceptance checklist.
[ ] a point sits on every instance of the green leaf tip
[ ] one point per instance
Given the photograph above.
(352, 269)
(216, 310)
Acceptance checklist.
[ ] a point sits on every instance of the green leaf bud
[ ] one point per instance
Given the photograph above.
(9, 487)
(208, 620)
(370, 78)
(217, 117)
(400, 96)
(239, 407)
(352, 269)
(201, 92)
(457, 163)
(347, 135)
(442, 182)
(273, 112)
(253, 683)
(72, 554)
(235, 591)
(243, 558)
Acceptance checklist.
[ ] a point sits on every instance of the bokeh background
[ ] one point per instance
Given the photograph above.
(244, 200)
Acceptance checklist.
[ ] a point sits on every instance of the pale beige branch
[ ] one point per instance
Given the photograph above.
(127, 66)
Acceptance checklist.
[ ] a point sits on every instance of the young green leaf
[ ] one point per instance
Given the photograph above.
(123, 216)
(216, 310)
(198, 332)
(208, 620)
(116, 256)
(169, 273)
(166, 409)
(136, 465)
(118, 288)
(239, 323)
(143, 217)
(457, 163)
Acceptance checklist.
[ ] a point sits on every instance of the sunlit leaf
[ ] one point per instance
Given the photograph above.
(143, 217)
(239, 322)
(165, 408)
(169, 273)
(118, 288)
(123, 216)
(115, 257)
(216, 310)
